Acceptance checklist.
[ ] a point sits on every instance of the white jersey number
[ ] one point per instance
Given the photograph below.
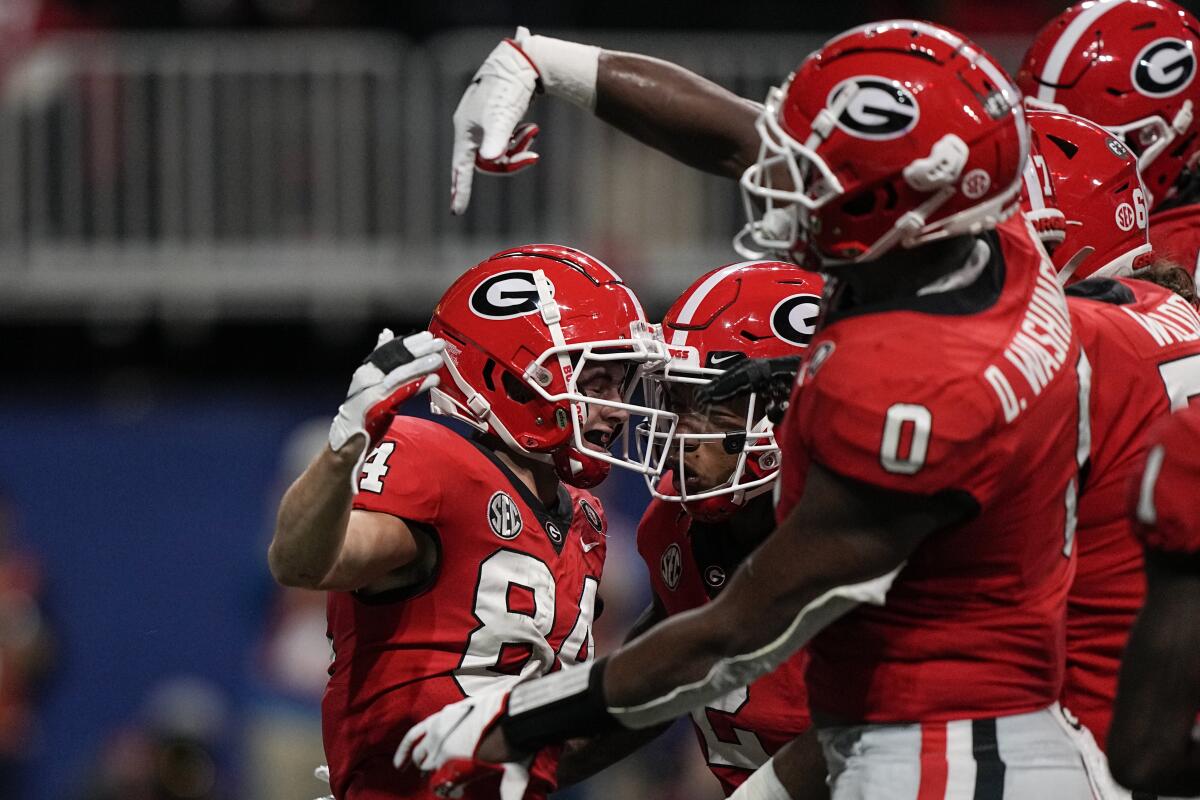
(905, 421)
(515, 604)
(1181, 378)
(746, 752)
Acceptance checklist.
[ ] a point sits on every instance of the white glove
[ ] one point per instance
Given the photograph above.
(487, 135)
(321, 773)
(393, 372)
(445, 744)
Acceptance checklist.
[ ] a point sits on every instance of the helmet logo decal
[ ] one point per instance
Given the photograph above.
(1117, 148)
(1164, 67)
(504, 517)
(714, 576)
(671, 566)
(506, 295)
(723, 359)
(794, 319)
(880, 109)
(1125, 217)
(976, 183)
(560, 417)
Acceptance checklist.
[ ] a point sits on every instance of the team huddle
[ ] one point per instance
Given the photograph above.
(920, 468)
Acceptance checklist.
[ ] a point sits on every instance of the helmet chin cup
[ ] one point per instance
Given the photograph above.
(579, 469)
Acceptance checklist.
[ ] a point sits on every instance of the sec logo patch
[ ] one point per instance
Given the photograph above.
(671, 566)
(504, 517)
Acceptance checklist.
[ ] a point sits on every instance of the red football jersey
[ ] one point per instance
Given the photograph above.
(514, 593)
(1175, 234)
(1162, 496)
(1143, 343)
(688, 565)
(972, 392)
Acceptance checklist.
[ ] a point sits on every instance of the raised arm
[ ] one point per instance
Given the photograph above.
(319, 542)
(678, 112)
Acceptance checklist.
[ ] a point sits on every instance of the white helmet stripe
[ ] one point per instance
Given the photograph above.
(1065, 46)
(1033, 186)
(679, 337)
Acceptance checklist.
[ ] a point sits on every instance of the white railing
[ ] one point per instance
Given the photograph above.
(254, 174)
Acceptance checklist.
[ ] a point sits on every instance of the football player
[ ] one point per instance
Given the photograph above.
(455, 565)
(1130, 66)
(1143, 343)
(912, 545)
(714, 505)
(1152, 746)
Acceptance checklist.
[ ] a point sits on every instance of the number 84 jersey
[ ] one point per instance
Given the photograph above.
(513, 594)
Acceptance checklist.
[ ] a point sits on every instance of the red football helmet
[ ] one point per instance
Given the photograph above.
(1130, 66)
(755, 309)
(1038, 201)
(893, 133)
(520, 327)
(1096, 181)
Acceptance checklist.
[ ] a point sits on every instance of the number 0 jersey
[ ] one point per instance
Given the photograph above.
(513, 594)
(1162, 496)
(1143, 343)
(974, 394)
(689, 563)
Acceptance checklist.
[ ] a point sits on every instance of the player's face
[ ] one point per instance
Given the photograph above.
(605, 381)
(706, 463)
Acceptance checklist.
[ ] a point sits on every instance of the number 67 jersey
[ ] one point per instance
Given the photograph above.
(1144, 345)
(513, 594)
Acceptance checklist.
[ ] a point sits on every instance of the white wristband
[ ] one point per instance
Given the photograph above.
(568, 69)
(763, 784)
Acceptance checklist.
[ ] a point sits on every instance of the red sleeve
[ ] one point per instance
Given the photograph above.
(887, 424)
(407, 473)
(1166, 485)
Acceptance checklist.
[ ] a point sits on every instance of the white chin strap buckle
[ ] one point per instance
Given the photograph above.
(941, 167)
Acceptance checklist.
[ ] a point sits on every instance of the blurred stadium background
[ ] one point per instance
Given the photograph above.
(207, 209)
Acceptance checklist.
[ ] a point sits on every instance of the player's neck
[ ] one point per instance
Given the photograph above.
(755, 521)
(902, 272)
(538, 476)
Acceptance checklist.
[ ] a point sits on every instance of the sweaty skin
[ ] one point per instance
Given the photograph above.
(677, 112)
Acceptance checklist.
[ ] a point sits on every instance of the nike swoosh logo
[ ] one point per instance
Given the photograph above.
(714, 360)
(587, 548)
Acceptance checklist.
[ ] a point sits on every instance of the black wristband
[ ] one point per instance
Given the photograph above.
(557, 707)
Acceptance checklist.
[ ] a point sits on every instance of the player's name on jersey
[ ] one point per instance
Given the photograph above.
(1174, 321)
(1039, 348)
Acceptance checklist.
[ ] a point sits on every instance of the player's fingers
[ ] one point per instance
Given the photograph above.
(423, 343)
(407, 373)
(507, 166)
(462, 164)
(404, 751)
(385, 336)
(522, 138)
(499, 126)
(429, 383)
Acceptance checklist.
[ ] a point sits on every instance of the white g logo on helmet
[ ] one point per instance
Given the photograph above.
(1163, 68)
(794, 319)
(880, 108)
(506, 295)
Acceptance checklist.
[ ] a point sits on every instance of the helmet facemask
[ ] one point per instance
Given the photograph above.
(752, 443)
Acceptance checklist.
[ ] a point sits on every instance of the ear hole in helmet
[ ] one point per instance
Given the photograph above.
(860, 205)
(517, 391)
(489, 369)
